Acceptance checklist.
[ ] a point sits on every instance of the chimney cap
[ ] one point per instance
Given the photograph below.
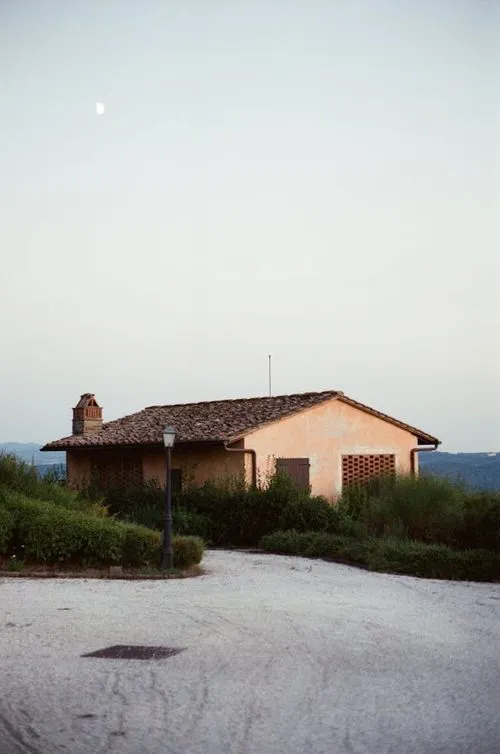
(87, 399)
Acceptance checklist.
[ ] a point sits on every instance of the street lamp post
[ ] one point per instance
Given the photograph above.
(168, 552)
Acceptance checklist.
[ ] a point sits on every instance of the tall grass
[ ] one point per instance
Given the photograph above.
(427, 509)
(18, 476)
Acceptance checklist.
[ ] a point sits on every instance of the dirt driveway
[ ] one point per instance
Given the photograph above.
(280, 655)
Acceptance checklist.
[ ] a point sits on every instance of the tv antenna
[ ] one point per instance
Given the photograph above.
(270, 375)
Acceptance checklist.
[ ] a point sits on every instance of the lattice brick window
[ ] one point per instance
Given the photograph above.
(123, 471)
(128, 473)
(360, 469)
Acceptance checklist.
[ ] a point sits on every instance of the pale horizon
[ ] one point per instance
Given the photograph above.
(316, 180)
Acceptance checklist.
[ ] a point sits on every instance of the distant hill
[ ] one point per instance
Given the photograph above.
(480, 471)
(30, 453)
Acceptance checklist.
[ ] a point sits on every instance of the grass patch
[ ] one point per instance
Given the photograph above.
(60, 571)
(14, 565)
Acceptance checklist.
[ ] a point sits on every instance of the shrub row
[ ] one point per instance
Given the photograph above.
(188, 522)
(240, 516)
(428, 509)
(389, 555)
(227, 512)
(46, 533)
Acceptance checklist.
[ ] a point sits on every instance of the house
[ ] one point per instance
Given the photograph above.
(325, 441)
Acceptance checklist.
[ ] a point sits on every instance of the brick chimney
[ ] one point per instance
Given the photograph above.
(87, 416)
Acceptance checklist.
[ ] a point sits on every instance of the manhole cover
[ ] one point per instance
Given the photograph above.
(129, 652)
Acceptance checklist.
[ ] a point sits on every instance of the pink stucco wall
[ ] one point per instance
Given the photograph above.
(198, 466)
(324, 434)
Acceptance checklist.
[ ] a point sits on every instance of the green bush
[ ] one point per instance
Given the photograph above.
(428, 509)
(238, 516)
(187, 522)
(309, 514)
(51, 534)
(433, 561)
(389, 555)
(141, 546)
(55, 535)
(18, 476)
(227, 512)
(188, 551)
(46, 533)
(144, 505)
(481, 521)
(6, 530)
(316, 545)
(227, 505)
(140, 504)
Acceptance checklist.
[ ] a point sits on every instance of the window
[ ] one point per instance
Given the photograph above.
(360, 469)
(297, 469)
(118, 469)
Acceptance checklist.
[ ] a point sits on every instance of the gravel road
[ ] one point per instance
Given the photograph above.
(281, 655)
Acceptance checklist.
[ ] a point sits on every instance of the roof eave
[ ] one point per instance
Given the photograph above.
(423, 440)
(53, 446)
(427, 440)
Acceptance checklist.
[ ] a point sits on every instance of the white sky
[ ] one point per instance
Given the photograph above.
(315, 179)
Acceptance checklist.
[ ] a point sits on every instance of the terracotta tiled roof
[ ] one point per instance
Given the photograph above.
(212, 421)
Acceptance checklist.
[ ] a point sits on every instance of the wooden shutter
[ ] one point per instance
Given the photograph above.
(297, 469)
